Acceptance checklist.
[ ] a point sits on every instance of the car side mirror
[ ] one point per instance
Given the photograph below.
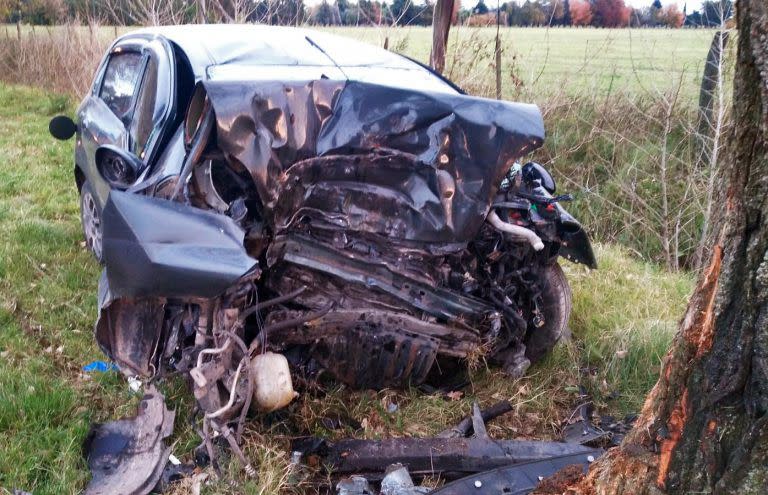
(533, 171)
(120, 168)
(62, 127)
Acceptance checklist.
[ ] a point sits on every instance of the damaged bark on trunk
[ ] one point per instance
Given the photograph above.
(704, 426)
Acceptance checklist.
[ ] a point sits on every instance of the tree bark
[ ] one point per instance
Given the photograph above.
(441, 24)
(704, 426)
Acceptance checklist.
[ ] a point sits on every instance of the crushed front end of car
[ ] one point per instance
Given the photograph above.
(364, 231)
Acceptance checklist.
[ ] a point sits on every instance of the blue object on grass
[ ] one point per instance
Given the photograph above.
(99, 367)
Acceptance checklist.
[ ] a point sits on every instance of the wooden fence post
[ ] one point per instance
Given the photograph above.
(441, 24)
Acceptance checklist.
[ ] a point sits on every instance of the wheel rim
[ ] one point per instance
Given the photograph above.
(91, 224)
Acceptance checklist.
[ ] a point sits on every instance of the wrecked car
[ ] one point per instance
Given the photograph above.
(272, 201)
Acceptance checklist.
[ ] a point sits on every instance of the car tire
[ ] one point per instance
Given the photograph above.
(556, 308)
(90, 218)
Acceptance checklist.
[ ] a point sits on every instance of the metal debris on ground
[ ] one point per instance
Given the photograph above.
(354, 485)
(512, 463)
(128, 456)
(464, 428)
(516, 479)
(580, 427)
(397, 481)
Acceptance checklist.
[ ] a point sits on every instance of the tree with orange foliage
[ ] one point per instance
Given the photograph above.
(581, 12)
(671, 16)
(610, 13)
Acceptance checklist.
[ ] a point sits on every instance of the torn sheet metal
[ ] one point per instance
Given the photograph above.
(435, 456)
(437, 161)
(129, 331)
(304, 252)
(372, 198)
(156, 247)
(127, 456)
(465, 427)
(518, 479)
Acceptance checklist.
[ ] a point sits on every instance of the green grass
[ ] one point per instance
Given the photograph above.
(571, 60)
(48, 306)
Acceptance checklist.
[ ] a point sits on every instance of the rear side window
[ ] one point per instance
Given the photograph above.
(120, 81)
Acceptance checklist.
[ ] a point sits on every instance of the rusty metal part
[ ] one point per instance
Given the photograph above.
(129, 331)
(439, 456)
(232, 393)
(375, 349)
(456, 342)
(208, 442)
(447, 457)
(465, 426)
(272, 302)
(211, 352)
(287, 323)
(299, 320)
(128, 456)
(227, 434)
(221, 391)
(309, 254)
(249, 385)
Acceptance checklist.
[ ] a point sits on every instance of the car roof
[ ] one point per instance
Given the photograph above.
(244, 51)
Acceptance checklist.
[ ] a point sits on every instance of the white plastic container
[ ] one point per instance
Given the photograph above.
(273, 387)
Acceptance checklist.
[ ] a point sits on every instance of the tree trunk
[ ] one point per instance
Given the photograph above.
(704, 426)
(709, 83)
(441, 24)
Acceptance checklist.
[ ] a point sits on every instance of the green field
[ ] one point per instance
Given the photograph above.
(548, 61)
(624, 317)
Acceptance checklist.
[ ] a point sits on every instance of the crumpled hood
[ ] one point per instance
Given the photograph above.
(449, 152)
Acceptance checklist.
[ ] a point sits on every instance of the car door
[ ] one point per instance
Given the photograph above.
(129, 105)
(153, 119)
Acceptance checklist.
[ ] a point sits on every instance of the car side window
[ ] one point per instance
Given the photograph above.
(120, 81)
(143, 126)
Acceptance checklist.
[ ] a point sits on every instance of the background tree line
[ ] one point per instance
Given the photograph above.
(598, 13)
(612, 13)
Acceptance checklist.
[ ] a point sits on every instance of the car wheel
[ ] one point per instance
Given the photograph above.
(90, 217)
(556, 309)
